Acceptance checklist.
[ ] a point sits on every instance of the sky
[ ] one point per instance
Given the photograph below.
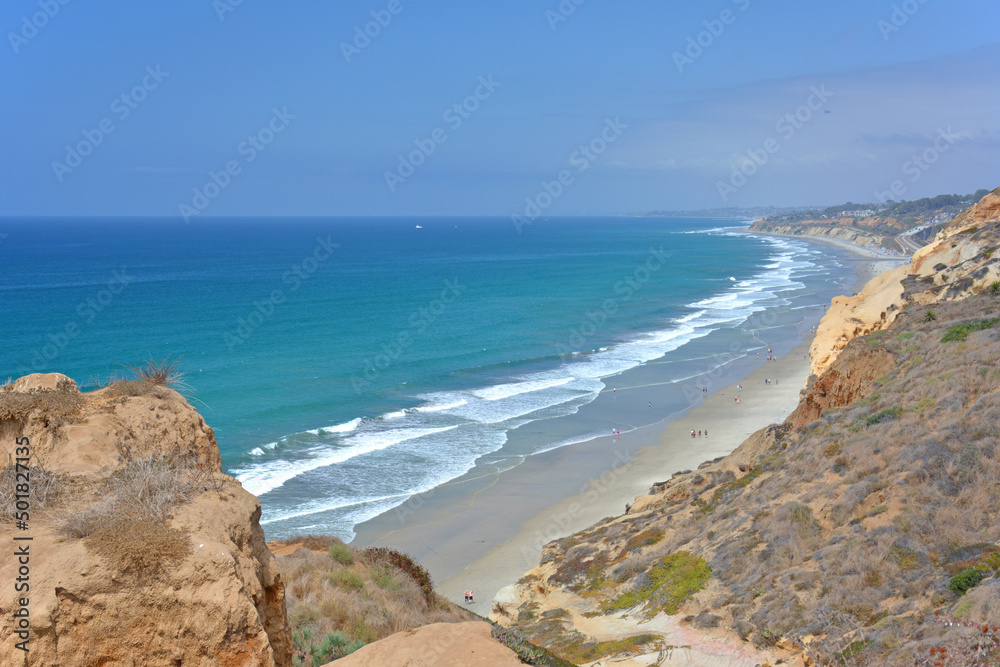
(523, 107)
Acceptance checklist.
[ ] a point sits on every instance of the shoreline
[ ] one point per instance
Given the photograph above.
(610, 492)
(459, 536)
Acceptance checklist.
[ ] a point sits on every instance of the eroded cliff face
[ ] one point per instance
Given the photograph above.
(962, 261)
(851, 378)
(833, 230)
(143, 551)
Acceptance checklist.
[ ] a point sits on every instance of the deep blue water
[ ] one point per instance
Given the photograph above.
(346, 363)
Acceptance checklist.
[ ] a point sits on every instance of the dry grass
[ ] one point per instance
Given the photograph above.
(127, 521)
(144, 377)
(360, 597)
(54, 407)
(46, 489)
(139, 547)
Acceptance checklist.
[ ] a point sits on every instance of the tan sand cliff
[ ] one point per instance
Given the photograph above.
(114, 580)
(834, 229)
(961, 261)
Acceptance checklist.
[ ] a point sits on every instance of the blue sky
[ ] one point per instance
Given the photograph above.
(894, 78)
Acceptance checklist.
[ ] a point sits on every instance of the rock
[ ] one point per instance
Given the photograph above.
(438, 645)
(107, 429)
(215, 598)
(850, 378)
(44, 381)
(706, 620)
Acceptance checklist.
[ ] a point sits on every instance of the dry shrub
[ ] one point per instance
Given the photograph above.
(138, 546)
(46, 489)
(127, 524)
(367, 600)
(54, 407)
(144, 377)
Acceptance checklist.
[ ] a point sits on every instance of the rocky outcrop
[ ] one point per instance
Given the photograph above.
(116, 578)
(852, 377)
(962, 261)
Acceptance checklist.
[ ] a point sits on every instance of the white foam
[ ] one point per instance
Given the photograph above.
(256, 451)
(394, 415)
(263, 478)
(502, 391)
(346, 427)
(687, 318)
(441, 407)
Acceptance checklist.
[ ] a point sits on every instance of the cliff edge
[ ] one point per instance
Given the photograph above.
(142, 551)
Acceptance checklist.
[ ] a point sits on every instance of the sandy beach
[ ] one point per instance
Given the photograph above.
(483, 534)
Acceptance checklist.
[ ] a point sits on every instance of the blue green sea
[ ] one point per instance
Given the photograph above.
(346, 364)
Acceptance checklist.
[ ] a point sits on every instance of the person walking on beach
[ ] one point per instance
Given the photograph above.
(706, 432)
(692, 433)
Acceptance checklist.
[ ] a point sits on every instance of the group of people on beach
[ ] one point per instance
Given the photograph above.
(469, 597)
(699, 433)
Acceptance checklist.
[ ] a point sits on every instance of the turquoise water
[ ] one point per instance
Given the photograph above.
(346, 364)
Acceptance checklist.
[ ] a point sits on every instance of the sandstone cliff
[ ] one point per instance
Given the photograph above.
(143, 551)
(841, 232)
(961, 261)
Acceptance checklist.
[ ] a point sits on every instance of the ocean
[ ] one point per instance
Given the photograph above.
(346, 364)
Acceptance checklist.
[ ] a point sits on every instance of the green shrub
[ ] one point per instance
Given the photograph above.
(883, 416)
(853, 650)
(995, 287)
(385, 578)
(960, 332)
(930, 316)
(349, 581)
(966, 580)
(667, 585)
(341, 553)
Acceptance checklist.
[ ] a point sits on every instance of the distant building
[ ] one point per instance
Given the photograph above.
(863, 213)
